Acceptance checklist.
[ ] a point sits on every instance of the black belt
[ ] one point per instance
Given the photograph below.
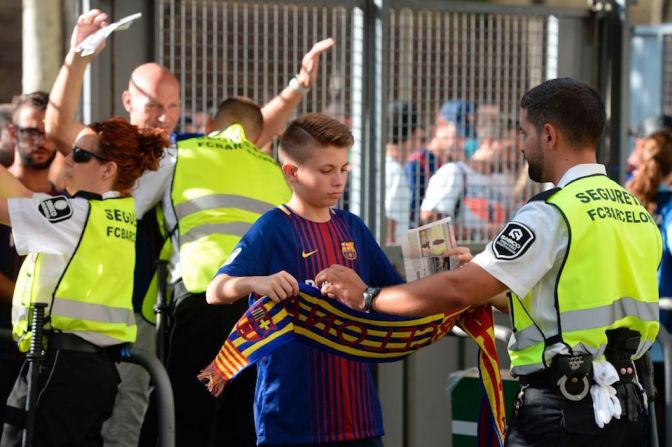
(71, 342)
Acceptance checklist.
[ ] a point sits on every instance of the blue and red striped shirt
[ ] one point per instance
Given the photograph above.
(303, 395)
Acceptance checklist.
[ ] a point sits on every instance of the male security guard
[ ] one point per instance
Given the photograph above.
(221, 185)
(580, 260)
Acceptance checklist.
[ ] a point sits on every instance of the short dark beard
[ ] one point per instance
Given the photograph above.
(30, 164)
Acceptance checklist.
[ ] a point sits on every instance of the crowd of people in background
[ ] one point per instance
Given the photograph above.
(467, 166)
(470, 169)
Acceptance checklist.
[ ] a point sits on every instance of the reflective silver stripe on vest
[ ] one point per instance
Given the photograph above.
(529, 336)
(97, 338)
(19, 313)
(596, 317)
(527, 369)
(221, 201)
(233, 228)
(92, 312)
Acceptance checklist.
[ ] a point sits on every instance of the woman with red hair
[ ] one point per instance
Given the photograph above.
(80, 255)
(652, 185)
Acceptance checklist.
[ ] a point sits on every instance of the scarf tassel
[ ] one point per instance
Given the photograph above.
(212, 379)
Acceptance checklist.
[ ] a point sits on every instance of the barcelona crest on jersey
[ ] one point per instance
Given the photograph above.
(348, 250)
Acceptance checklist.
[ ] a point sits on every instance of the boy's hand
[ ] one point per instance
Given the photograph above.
(277, 287)
(463, 254)
(87, 24)
(342, 283)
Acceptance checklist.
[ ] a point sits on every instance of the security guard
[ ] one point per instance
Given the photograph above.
(80, 257)
(221, 185)
(580, 260)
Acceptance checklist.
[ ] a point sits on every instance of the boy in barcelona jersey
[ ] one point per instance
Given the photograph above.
(305, 396)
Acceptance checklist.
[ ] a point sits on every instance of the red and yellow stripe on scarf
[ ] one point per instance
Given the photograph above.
(331, 326)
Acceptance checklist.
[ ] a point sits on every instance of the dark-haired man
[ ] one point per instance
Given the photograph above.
(580, 261)
(33, 155)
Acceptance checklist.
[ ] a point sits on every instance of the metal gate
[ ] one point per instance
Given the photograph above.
(478, 58)
(425, 53)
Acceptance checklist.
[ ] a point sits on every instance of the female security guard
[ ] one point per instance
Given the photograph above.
(80, 260)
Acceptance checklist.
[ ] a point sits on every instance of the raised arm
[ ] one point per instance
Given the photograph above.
(279, 110)
(10, 187)
(60, 121)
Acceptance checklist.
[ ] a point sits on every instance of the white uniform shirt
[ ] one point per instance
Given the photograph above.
(154, 187)
(484, 199)
(51, 226)
(535, 266)
(397, 196)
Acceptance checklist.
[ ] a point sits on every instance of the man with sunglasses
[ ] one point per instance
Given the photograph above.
(33, 156)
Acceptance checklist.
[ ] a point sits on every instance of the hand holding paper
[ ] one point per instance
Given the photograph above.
(92, 30)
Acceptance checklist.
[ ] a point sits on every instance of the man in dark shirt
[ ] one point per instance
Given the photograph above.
(33, 155)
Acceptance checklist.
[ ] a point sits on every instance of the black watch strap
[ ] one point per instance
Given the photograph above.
(369, 294)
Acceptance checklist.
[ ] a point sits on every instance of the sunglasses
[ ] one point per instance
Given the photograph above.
(80, 155)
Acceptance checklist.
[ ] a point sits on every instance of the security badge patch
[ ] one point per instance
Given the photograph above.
(513, 241)
(55, 209)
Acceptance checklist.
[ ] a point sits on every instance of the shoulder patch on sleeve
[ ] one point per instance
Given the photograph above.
(513, 241)
(55, 209)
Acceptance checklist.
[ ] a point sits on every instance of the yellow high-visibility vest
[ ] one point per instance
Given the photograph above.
(92, 299)
(221, 185)
(608, 278)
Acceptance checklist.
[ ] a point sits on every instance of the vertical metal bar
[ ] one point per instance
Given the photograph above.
(159, 50)
(358, 152)
(285, 46)
(183, 62)
(235, 48)
(215, 59)
(244, 49)
(171, 43)
(265, 65)
(225, 51)
(193, 55)
(620, 101)
(255, 53)
(205, 21)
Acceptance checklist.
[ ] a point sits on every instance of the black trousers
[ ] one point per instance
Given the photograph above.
(543, 418)
(198, 333)
(76, 395)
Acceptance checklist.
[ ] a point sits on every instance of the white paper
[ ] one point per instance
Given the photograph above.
(423, 247)
(88, 46)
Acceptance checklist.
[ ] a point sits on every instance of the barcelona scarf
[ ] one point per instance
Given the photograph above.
(331, 326)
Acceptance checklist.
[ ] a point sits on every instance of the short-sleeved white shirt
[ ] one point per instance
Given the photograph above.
(152, 185)
(397, 196)
(536, 268)
(51, 226)
(486, 198)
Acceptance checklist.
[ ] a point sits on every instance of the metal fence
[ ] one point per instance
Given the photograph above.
(470, 62)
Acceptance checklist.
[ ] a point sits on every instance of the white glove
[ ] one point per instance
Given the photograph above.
(605, 403)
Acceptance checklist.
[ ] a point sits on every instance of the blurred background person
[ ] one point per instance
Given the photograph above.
(453, 124)
(402, 127)
(6, 145)
(649, 125)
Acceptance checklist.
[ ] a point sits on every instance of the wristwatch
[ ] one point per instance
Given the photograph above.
(296, 85)
(369, 295)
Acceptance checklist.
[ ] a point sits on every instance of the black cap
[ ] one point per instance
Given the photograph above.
(653, 123)
(402, 119)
